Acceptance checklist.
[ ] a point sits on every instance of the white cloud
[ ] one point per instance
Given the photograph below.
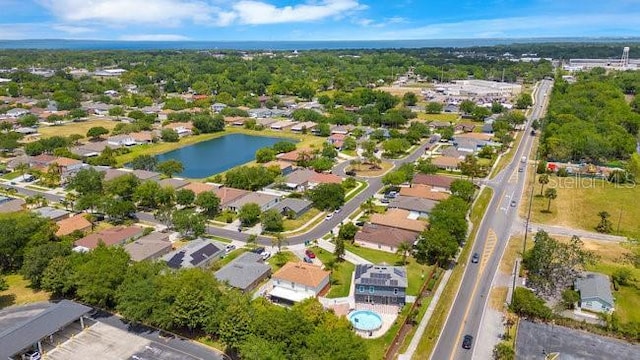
(257, 12)
(154, 37)
(526, 26)
(69, 29)
(126, 12)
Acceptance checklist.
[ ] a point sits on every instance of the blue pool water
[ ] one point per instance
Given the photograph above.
(217, 155)
(365, 320)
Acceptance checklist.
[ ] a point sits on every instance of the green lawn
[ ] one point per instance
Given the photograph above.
(580, 200)
(378, 347)
(355, 191)
(11, 175)
(340, 277)
(415, 272)
(278, 260)
(439, 117)
(294, 224)
(19, 292)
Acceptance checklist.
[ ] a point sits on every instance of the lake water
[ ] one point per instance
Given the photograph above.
(213, 156)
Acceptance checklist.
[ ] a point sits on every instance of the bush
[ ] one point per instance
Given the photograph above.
(526, 303)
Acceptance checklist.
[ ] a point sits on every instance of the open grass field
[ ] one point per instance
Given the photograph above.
(363, 170)
(581, 199)
(304, 141)
(79, 128)
(341, 275)
(439, 117)
(19, 292)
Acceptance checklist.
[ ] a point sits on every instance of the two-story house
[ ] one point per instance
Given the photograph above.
(380, 284)
(298, 281)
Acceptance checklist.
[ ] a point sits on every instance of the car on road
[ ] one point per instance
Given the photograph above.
(309, 254)
(350, 173)
(467, 341)
(329, 216)
(307, 260)
(229, 248)
(337, 210)
(520, 169)
(475, 258)
(513, 203)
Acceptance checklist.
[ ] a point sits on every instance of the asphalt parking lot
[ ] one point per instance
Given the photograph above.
(534, 340)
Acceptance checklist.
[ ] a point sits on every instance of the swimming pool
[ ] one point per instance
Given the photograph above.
(365, 320)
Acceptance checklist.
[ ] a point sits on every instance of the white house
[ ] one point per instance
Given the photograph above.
(217, 107)
(298, 281)
(121, 140)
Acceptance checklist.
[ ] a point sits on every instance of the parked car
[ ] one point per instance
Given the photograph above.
(307, 260)
(266, 255)
(359, 223)
(32, 355)
(258, 250)
(310, 254)
(229, 248)
(384, 201)
(329, 216)
(467, 341)
(475, 258)
(350, 173)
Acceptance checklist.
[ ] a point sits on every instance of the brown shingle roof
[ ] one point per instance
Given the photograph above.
(398, 218)
(320, 178)
(433, 180)
(302, 273)
(116, 235)
(423, 192)
(446, 162)
(198, 187)
(228, 195)
(69, 225)
(64, 161)
(385, 235)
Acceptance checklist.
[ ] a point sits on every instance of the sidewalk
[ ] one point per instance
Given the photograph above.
(518, 226)
(413, 346)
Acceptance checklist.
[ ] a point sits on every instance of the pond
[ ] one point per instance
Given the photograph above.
(220, 154)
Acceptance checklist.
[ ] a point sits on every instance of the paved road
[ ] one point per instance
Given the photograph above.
(30, 192)
(493, 233)
(186, 346)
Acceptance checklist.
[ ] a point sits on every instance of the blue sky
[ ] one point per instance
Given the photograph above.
(273, 20)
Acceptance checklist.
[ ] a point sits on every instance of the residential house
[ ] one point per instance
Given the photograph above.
(228, 195)
(244, 272)
(196, 253)
(217, 107)
(142, 137)
(595, 292)
(113, 236)
(293, 156)
(282, 125)
(303, 126)
(423, 192)
(451, 108)
(451, 151)
(110, 174)
(16, 113)
(475, 136)
(265, 201)
(182, 128)
(51, 213)
(8, 205)
(322, 178)
(299, 179)
(487, 128)
(75, 223)
(41, 161)
(173, 183)
(469, 146)
(380, 284)
(399, 219)
(145, 175)
(298, 281)
(293, 207)
(342, 129)
(447, 163)
(439, 124)
(260, 113)
(266, 122)
(464, 128)
(437, 182)
(337, 140)
(151, 246)
(417, 207)
(93, 148)
(235, 120)
(384, 238)
(285, 167)
(199, 187)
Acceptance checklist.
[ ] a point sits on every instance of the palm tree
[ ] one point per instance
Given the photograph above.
(403, 250)
(70, 198)
(543, 180)
(278, 241)
(368, 206)
(550, 194)
(355, 164)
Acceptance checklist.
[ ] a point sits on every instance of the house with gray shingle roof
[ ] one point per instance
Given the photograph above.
(416, 206)
(380, 284)
(291, 205)
(245, 272)
(595, 292)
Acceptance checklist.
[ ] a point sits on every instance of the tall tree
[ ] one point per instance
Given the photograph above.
(209, 203)
(339, 249)
(101, 274)
(170, 167)
(249, 214)
(144, 162)
(404, 248)
(543, 180)
(550, 194)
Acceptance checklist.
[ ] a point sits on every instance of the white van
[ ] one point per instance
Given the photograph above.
(524, 159)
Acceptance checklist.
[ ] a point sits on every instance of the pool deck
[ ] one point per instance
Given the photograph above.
(388, 313)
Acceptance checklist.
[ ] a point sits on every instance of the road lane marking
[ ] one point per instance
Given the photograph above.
(473, 294)
(489, 246)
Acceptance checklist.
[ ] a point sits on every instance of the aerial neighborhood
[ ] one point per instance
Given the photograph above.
(261, 203)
